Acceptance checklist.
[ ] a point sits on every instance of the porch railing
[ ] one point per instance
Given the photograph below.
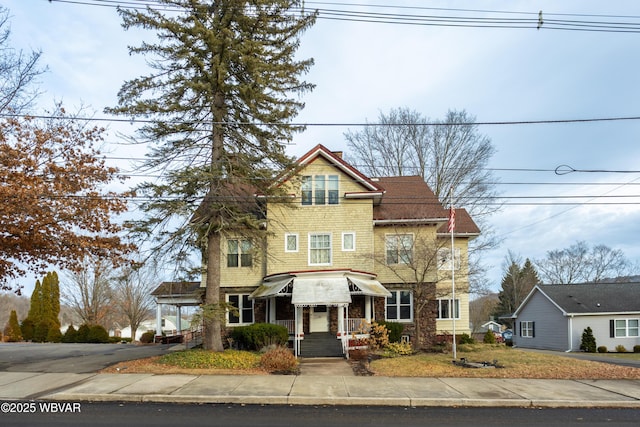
(289, 324)
(355, 326)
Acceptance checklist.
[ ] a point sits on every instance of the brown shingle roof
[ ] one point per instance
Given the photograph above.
(407, 197)
(410, 198)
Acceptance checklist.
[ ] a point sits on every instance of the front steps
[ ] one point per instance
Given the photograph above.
(321, 344)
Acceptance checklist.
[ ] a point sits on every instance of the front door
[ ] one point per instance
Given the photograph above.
(319, 319)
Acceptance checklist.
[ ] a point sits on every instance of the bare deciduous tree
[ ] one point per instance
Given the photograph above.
(88, 292)
(133, 295)
(451, 155)
(580, 264)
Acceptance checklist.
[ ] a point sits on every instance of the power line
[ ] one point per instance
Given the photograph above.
(326, 124)
(530, 20)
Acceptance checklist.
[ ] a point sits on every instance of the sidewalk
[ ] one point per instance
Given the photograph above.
(319, 390)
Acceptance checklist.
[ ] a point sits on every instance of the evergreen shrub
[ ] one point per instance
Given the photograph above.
(260, 335)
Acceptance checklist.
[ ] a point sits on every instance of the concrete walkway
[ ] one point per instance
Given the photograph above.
(319, 389)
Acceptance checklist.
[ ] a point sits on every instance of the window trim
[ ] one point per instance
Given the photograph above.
(626, 328)
(286, 242)
(398, 305)
(456, 308)
(241, 310)
(444, 262)
(349, 233)
(527, 329)
(400, 260)
(330, 248)
(239, 241)
(317, 190)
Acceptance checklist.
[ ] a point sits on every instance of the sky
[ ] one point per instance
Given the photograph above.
(498, 75)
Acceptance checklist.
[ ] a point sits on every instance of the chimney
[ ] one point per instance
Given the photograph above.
(338, 154)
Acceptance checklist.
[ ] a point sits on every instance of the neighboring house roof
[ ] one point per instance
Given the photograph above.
(177, 288)
(590, 298)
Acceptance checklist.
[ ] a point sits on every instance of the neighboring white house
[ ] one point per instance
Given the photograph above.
(168, 326)
(555, 316)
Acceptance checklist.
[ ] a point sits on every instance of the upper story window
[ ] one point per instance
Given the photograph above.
(320, 249)
(444, 259)
(320, 190)
(349, 241)
(239, 253)
(291, 242)
(399, 249)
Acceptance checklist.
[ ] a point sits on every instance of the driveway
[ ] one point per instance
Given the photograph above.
(71, 358)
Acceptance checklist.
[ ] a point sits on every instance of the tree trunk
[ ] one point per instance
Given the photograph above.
(212, 324)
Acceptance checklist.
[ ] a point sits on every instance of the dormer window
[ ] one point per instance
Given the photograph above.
(320, 190)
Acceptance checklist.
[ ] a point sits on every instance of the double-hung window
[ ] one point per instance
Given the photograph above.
(400, 306)
(527, 329)
(244, 307)
(444, 259)
(320, 190)
(239, 253)
(625, 328)
(399, 249)
(448, 309)
(320, 249)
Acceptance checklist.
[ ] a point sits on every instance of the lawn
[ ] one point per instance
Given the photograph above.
(517, 364)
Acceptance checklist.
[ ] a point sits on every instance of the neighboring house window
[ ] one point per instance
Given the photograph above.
(445, 309)
(291, 242)
(320, 249)
(244, 305)
(239, 253)
(444, 259)
(527, 329)
(399, 249)
(320, 190)
(625, 328)
(349, 241)
(400, 306)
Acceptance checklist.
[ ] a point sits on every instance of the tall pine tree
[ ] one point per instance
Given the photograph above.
(517, 282)
(221, 99)
(45, 309)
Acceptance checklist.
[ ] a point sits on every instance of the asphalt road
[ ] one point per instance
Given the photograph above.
(71, 358)
(159, 415)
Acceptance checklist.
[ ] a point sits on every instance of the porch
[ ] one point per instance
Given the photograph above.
(339, 302)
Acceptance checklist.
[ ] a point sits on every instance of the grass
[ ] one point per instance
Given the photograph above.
(517, 364)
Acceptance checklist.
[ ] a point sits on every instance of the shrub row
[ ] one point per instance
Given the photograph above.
(86, 334)
(259, 335)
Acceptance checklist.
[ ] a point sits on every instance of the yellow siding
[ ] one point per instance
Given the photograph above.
(348, 215)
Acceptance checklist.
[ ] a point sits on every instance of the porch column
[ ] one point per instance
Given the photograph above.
(299, 329)
(367, 308)
(272, 310)
(178, 319)
(341, 330)
(158, 319)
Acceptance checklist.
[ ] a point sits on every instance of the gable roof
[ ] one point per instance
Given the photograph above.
(336, 159)
(590, 298)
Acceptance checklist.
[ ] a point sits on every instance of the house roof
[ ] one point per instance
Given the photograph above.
(591, 298)
(177, 288)
(410, 198)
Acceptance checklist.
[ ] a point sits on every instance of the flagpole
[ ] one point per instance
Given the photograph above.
(452, 226)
